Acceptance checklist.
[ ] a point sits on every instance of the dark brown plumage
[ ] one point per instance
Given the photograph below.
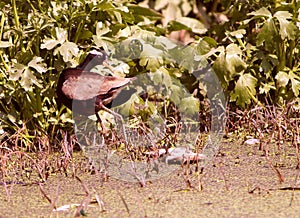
(85, 92)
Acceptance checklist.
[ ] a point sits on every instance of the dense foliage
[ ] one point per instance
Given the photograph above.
(252, 45)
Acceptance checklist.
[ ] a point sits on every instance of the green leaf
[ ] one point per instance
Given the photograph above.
(287, 28)
(36, 64)
(61, 37)
(262, 12)
(151, 58)
(194, 25)
(85, 34)
(268, 29)
(25, 76)
(28, 78)
(167, 79)
(157, 77)
(233, 49)
(238, 33)
(295, 80)
(282, 78)
(244, 90)
(68, 50)
(101, 29)
(189, 105)
(205, 45)
(175, 26)
(219, 67)
(104, 6)
(49, 43)
(183, 56)
(176, 94)
(145, 12)
(234, 63)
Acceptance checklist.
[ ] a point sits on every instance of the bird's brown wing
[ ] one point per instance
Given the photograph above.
(89, 85)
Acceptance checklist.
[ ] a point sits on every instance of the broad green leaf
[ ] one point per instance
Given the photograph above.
(104, 6)
(176, 94)
(49, 43)
(61, 37)
(268, 62)
(234, 63)
(205, 45)
(171, 12)
(184, 57)
(151, 57)
(219, 67)
(157, 77)
(167, 79)
(287, 28)
(165, 42)
(16, 71)
(175, 26)
(189, 105)
(28, 78)
(36, 64)
(85, 34)
(233, 49)
(265, 67)
(262, 12)
(268, 29)
(24, 75)
(244, 90)
(101, 29)
(282, 78)
(145, 12)
(125, 32)
(210, 41)
(195, 25)
(68, 50)
(295, 80)
(103, 42)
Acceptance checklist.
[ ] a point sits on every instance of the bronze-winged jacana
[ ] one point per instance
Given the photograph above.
(85, 92)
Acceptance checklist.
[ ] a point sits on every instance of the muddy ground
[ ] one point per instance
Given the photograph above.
(238, 183)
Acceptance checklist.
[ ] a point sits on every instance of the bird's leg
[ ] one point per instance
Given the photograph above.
(117, 116)
(112, 112)
(104, 129)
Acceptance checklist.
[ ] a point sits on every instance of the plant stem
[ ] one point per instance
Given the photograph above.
(17, 22)
(13, 2)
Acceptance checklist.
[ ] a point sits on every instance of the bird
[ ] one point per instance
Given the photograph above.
(86, 93)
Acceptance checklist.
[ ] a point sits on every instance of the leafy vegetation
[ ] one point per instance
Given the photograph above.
(170, 46)
(252, 46)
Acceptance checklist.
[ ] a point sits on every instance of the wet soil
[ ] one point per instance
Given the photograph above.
(238, 183)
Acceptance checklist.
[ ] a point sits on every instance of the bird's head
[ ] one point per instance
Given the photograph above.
(95, 57)
(98, 54)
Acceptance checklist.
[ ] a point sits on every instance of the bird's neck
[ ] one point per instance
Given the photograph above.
(87, 65)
